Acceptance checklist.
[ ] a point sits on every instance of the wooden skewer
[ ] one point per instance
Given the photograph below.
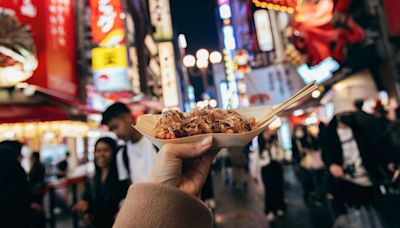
(300, 91)
(289, 102)
(285, 105)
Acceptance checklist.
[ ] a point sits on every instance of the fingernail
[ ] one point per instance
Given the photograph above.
(207, 141)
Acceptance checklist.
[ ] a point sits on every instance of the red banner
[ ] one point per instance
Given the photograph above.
(52, 25)
(106, 23)
(392, 13)
(60, 51)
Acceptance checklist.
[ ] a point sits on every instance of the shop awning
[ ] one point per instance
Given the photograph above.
(30, 113)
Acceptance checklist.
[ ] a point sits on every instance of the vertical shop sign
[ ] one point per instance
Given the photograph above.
(109, 66)
(106, 23)
(263, 30)
(168, 75)
(109, 61)
(61, 60)
(160, 15)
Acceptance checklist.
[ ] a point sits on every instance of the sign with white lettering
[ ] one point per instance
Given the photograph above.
(160, 15)
(168, 75)
(106, 23)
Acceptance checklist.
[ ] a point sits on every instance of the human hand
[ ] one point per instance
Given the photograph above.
(81, 207)
(184, 166)
(336, 170)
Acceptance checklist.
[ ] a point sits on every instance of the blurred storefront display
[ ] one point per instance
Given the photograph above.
(52, 138)
(53, 32)
(38, 111)
(109, 66)
(272, 85)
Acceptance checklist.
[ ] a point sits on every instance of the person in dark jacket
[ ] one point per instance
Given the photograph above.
(36, 177)
(380, 114)
(392, 142)
(302, 144)
(14, 195)
(270, 158)
(103, 195)
(353, 158)
(37, 190)
(62, 167)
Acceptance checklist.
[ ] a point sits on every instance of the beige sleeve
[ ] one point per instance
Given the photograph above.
(156, 205)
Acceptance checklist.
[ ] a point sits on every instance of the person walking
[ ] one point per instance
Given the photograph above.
(136, 158)
(270, 156)
(37, 189)
(101, 199)
(354, 160)
(308, 163)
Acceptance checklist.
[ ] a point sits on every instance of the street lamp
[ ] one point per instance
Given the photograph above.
(215, 57)
(202, 54)
(189, 61)
(202, 64)
(201, 61)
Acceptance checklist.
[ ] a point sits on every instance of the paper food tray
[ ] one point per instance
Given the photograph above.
(146, 125)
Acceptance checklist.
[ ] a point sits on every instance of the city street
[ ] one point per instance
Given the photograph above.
(112, 113)
(238, 208)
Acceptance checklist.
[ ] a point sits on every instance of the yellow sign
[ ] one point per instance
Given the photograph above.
(109, 57)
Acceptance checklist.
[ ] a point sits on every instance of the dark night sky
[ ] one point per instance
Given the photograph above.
(196, 19)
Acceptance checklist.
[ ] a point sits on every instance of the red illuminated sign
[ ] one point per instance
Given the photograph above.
(52, 25)
(393, 17)
(106, 23)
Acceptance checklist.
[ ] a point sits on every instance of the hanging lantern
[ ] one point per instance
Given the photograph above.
(288, 6)
(242, 62)
(17, 52)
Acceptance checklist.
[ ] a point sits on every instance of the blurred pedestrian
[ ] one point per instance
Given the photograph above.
(62, 167)
(307, 159)
(37, 174)
(14, 195)
(392, 142)
(371, 122)
(238, 161)
(37, 189)
(270, 158)
(136, 158)
(102, 196)
(380, 114)
(353, 159)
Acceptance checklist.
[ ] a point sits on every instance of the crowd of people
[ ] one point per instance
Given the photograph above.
(350, 159)
(22, 200)
(135, 185)
(108, 193)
